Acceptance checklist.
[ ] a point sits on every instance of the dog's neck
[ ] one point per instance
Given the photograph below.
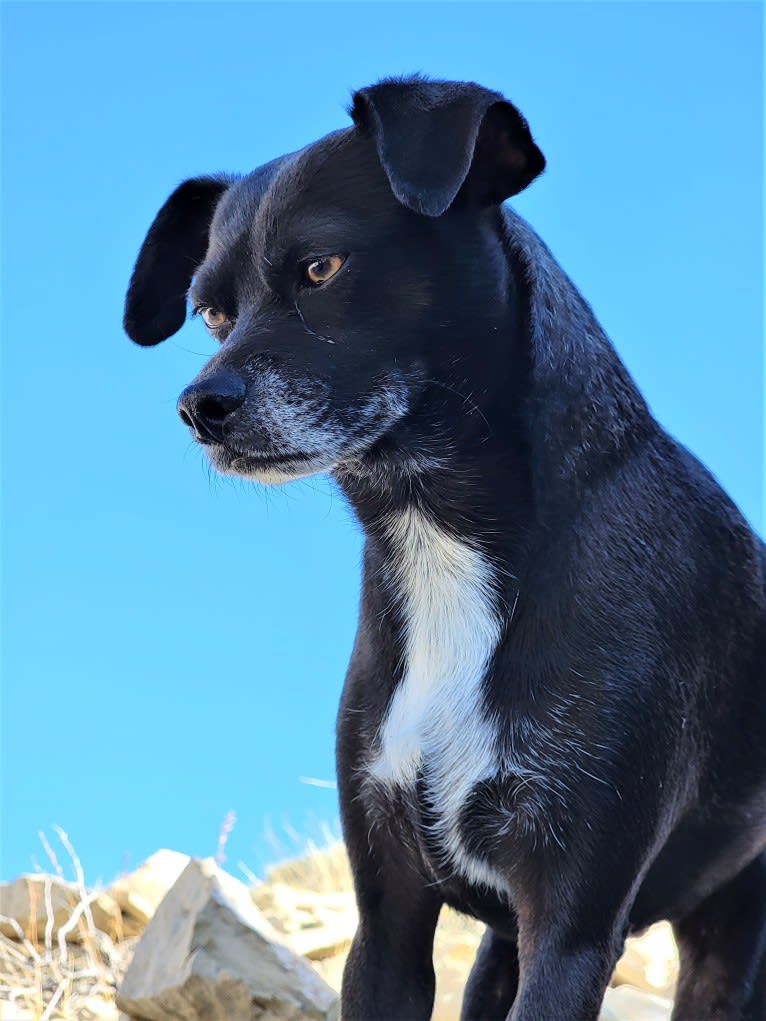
(500, 467)
(477, 492)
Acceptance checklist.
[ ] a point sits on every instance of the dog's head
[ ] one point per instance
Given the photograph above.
(341, 281)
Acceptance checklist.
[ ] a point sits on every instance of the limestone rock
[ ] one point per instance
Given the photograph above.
(316, 925)
(208, 954)
(455, 946)
(650, 961)
(626, 1003)
(140, 892)
(33, 900)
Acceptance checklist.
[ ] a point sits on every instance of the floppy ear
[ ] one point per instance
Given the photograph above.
(155, 306)
(436, 138)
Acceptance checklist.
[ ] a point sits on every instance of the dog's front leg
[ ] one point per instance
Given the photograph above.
(567, 984)
(565, 969)
(389, 973)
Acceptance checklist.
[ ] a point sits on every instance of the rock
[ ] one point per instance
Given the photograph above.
(455, 946)
(208, 954)
(626, 1003)
(32, 900)
(650, 961)
(140, 892)
(314, 925)
(326, 940)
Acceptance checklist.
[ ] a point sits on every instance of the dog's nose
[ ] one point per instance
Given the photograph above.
(204, 406)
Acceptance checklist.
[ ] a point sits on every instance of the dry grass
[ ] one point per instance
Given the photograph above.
(320, 869)
(52, 979)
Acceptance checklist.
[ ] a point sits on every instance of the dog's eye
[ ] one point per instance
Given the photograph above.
(319, 271)
(213, 318)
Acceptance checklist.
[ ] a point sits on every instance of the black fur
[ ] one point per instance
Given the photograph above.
(155, 307)
(452, 367)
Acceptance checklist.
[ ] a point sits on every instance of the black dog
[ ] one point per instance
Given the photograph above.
(555, 714)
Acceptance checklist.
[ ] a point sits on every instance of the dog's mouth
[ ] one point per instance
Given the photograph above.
(270, 467)
(246, 462)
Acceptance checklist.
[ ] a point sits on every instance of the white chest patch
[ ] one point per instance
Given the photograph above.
(436, 719)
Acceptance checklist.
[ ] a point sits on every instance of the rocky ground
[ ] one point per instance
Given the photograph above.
(181, 939)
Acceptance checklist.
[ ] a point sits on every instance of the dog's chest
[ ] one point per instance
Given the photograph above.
(436, 729)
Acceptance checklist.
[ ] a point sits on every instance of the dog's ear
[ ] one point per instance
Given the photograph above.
(436, 138)
(155, 306)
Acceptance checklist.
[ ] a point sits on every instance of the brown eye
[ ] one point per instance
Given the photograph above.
(321, 270)
(214, 318)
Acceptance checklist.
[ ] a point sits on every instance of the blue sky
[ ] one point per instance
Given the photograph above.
(175, 643)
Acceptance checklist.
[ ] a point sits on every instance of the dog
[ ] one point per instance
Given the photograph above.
(554, 718)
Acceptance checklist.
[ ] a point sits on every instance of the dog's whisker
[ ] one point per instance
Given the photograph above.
(467, 400)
